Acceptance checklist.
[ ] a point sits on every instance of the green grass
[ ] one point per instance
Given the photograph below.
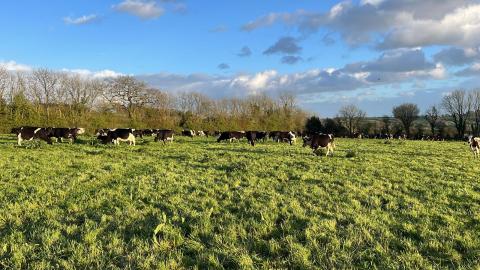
(201, 204)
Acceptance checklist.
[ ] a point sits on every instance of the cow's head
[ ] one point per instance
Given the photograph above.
(80, 131)
(15, 130)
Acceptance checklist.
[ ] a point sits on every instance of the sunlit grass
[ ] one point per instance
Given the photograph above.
(198, 203)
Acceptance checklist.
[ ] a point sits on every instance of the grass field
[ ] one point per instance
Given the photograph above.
(201, 204)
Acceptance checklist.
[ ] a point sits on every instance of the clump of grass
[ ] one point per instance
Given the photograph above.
(351, 154)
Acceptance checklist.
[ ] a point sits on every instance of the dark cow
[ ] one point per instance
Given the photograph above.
(164, 135)
(474, 143)
(30, 133)
(261, 135)
(316, 141)
(66, 133)
(149, 132)
(188, 133)
(253, 136)
(117, 135)
(138, 133)
(283, 136)
(231, 135)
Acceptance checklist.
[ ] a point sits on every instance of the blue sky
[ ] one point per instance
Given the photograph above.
(373, 53)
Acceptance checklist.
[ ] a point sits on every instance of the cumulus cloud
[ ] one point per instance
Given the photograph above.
(223, 66)
(244, 52)
(454, 56)
(85, 19)
(473, 70)
(401, 60)
(14, 66)
(291, 59)
(389, 23)
(101, 74)
(285, 45)
(140, 8)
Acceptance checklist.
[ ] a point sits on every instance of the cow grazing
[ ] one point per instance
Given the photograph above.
(138, 133)
(316, 141)
(149, 132)
(30, 133)
(283, 136)
(164, 135)
(66, 133)
(188, 133)
(118, 135)
(231, 135)
(474, 143)
(261, 135)
(251, 137)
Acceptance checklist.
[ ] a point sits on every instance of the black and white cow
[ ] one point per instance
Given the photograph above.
(283, 136)
(165, 135)
(117, 135)
(200, 133)
(188, 133)
(254, 136)
(30, 133)
(66, 133)
(474, 143)
(316, 141)
(231, 135)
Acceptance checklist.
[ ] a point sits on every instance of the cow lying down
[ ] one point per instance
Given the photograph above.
(316, 141)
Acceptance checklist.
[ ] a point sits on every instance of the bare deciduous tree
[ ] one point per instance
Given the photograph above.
(44, 86)
(128, 93)
(432, 116)
(475, 96)
(406, 113)
(458, 104)
(350, 117)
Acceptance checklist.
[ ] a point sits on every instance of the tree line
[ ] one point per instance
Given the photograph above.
(60, 99)
(458, 114)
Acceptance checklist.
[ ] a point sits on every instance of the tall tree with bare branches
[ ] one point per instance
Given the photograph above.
(458, 104)
(406, 113)
(350, 117)
(432, 117)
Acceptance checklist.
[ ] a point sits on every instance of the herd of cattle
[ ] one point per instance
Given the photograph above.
(115, 136)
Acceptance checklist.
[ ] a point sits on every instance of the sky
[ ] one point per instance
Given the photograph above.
(372, 53)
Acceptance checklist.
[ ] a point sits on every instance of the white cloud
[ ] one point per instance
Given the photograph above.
(14, 66)
(389, 23)
(85, 19)
(140, 8)
(102, 74)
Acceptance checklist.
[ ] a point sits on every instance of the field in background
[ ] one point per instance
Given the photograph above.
(198, 203)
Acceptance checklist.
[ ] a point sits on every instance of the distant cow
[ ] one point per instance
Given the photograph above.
(66, 133)
(117, 135)
(231, 135)
(253, 136)
(188, 133)
(474, 143)
(316, 141)
(30, 133)
(200, 133)
(149, 132)
(164, 135)
(283, 136)
(138, 133)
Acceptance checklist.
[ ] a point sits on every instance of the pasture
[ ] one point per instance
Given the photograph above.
(200, 204)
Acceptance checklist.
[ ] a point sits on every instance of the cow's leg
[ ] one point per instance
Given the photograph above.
(19, 139)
